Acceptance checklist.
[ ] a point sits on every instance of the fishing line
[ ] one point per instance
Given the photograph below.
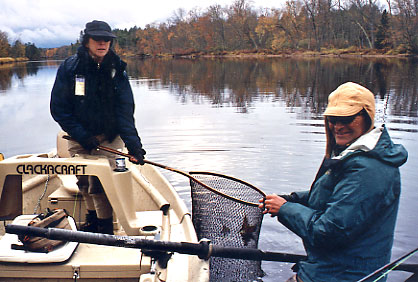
(396, 265)
(390, 266)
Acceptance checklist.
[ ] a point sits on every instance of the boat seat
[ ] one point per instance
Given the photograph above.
(8, 254)
(62, 146)
(69, 184)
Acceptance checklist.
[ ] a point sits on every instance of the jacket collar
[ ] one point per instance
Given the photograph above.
(365, 143)
(111, 58)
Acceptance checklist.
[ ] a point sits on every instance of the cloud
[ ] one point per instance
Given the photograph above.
(52, 23)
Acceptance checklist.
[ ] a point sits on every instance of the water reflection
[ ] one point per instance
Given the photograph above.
(19, 70)
(239, 82)
(303, 82)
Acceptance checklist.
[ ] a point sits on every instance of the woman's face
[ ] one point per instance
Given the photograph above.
(345, 133)
(98, 48)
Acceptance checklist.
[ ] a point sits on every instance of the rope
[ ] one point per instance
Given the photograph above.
(38, 204)
(75, 204)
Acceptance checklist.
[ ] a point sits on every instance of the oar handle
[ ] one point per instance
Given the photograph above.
(204, 249)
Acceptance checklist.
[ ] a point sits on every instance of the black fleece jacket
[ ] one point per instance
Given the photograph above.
(107, 106)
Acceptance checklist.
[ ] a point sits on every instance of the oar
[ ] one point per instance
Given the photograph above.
(201, 173)
(204, 249)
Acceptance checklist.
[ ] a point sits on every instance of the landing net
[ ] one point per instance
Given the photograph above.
(228, 221)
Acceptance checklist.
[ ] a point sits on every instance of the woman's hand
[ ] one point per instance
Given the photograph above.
(271, 204)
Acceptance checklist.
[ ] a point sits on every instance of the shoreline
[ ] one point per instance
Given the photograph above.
(331, 53)
(10, 60)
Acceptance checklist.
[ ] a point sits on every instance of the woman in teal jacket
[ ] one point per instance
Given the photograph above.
(347, 219)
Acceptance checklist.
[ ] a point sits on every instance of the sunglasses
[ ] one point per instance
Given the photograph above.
(101, 38)
(342, 120)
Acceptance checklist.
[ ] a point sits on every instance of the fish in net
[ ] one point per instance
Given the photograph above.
(228, 216)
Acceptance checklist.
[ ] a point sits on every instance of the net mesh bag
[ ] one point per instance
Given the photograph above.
(227, 222)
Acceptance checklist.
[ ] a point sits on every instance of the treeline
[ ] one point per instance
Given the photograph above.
(28, 51)
(300, 25)
(340, 26)
(18, 49)
(343, 26)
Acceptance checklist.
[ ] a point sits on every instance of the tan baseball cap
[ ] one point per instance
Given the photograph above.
(349, 99)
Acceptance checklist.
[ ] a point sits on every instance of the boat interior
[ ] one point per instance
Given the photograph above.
(144, 203)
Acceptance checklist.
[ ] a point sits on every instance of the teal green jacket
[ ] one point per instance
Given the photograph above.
(347, 219)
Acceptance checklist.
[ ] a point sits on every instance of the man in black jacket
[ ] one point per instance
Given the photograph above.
(92, 101)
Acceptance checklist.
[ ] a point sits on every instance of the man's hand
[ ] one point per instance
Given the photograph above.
(90, 144)
(271, 204)
(137, 156)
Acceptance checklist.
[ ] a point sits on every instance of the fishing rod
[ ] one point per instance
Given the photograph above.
(204, 249)
(394, 265)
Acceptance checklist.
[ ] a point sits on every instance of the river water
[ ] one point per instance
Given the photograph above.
(255, 119)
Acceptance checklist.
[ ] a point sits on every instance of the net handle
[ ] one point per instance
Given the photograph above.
(130, 157)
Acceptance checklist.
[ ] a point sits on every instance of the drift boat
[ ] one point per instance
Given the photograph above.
(145, 206)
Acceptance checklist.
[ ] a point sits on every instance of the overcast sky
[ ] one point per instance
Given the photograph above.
(54, 23)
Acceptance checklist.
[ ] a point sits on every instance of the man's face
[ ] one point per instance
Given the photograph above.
(345, 132)
(98, 47)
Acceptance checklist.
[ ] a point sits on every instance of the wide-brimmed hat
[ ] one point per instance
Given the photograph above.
(98, 28)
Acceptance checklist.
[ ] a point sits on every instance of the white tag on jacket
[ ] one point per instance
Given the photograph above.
(79, 85)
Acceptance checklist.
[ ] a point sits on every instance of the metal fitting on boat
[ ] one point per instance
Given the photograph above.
(206, 249)
(120, 165)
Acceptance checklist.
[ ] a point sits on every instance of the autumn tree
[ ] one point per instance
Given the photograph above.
(4, 44)
(299, 24)
(265, 30)
(215, 28)
(242, 21)
(290, 24)
(408, 23)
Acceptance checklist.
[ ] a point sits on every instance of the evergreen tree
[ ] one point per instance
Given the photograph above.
(382, 34)
(32, 52)
(18, 49)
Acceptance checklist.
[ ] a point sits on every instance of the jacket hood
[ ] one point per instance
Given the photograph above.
(378, 144)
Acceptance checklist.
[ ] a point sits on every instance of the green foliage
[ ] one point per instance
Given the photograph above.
(18, 50)
(32, 52)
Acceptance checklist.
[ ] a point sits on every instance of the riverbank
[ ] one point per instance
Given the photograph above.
(348, 52)
(10, 60)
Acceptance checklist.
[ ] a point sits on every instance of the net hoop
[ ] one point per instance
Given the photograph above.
(223, 194)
